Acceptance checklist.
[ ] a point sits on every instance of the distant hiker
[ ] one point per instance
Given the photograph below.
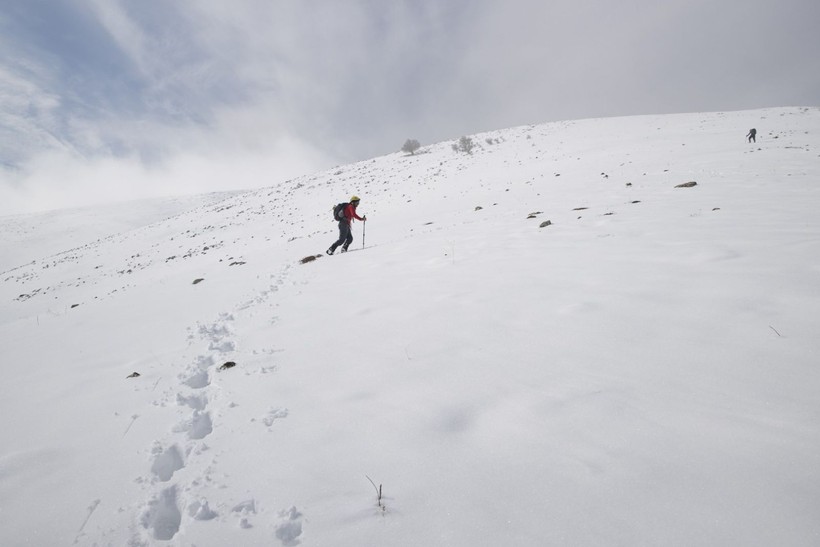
(345, 213)
(751, 135)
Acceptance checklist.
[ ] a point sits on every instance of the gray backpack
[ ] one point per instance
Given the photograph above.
(339, 211)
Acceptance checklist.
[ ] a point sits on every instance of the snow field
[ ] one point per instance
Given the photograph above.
(639, 372)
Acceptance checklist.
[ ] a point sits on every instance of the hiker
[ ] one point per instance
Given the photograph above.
(751, 135)
(345, 219)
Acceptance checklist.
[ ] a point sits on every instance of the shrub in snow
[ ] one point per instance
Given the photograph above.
(466, 145)
(380, 504)
(410, 146)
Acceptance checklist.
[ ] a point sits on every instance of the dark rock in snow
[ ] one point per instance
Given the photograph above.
(227, 365)
(687, 184)
(545, 223)
(199, 280)
(133, 375)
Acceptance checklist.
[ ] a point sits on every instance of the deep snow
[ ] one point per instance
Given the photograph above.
(643, 371)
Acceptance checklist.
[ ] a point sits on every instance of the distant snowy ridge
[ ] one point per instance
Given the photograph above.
(62, 230)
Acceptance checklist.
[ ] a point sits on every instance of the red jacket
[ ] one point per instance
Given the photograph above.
(350, 213)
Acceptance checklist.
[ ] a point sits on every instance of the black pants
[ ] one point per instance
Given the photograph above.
(345, 236)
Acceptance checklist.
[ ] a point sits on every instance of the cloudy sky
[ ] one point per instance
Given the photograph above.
(106, 100)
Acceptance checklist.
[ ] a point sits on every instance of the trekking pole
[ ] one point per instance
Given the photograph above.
(364, 228)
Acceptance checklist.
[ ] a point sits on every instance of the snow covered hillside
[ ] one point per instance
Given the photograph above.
(28, 237)
(640, 370)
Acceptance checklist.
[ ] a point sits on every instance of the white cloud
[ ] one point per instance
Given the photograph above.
(59, 179)
(149, 83)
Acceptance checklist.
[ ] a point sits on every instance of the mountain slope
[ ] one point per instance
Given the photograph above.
(641, 371)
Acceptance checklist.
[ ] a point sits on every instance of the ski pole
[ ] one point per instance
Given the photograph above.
(364, 228)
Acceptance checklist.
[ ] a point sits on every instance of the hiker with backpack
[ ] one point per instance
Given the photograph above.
(345, 213)
(751, 135)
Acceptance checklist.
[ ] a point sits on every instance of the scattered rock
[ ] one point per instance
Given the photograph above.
(236, 264)
(199, 280)
(74, 306)
(133, 375)
(310, 258)
(478, 207)
(636, 201)
(716, 209)
(628, 184)
(580, 208)
(687, 184)
(545, 223)
(227, 365)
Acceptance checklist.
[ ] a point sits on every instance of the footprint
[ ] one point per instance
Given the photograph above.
(198, 427)
(197, 380)
(162, 515)
(201, 425)
(222, 346)
(166, 462)
(290, 528)
(217, 330)
(196, 402)
(275, 414)
(205, 361)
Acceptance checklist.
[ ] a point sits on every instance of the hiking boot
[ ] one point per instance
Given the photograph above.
(329, 251)
(344, 249)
